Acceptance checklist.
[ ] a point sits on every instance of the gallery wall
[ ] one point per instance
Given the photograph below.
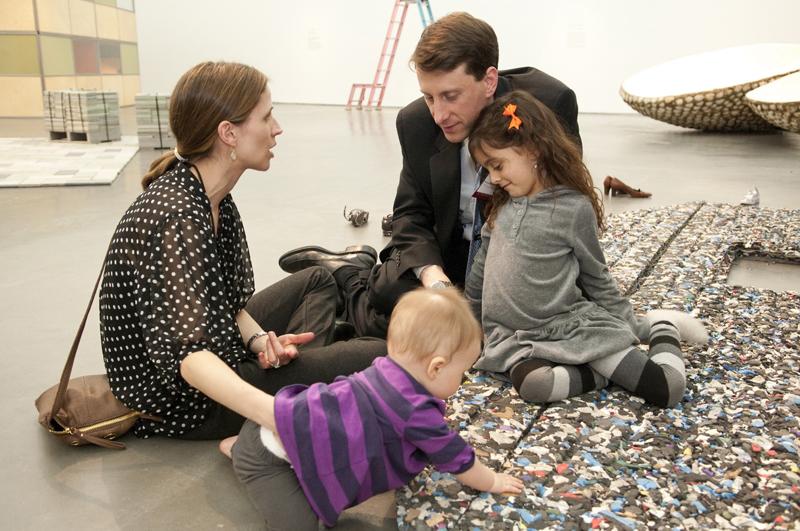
(313, 50)
(65, 44)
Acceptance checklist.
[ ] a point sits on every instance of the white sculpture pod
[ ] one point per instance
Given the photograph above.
(778, 102)
(706, 91)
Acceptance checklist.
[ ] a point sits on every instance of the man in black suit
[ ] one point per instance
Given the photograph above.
(433, 223)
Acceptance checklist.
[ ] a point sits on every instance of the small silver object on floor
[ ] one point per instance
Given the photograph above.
(356, 216)
(751, 198)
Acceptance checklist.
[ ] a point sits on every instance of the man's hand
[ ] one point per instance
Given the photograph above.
(282, 350)
(432, 274)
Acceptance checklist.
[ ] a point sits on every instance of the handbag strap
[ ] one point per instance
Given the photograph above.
(99, 441)
(67, 372)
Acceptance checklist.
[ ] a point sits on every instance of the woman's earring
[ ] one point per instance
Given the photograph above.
(535, 165)
(233, 154)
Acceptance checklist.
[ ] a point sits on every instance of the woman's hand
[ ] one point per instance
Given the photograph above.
(282, 350)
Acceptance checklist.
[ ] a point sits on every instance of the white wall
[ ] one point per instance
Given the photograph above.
(313, 50)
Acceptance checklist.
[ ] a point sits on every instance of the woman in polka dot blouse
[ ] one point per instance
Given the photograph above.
(183, 336)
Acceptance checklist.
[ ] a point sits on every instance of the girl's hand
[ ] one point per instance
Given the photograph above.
(282, 350)
(504, 483)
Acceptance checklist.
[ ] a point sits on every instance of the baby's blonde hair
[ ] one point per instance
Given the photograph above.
(425, 321)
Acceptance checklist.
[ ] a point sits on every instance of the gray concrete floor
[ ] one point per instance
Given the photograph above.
(53, 241)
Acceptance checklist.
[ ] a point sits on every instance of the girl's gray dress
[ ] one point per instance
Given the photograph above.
(541, 287)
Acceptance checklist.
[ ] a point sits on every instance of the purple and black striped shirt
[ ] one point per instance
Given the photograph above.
(364, 434)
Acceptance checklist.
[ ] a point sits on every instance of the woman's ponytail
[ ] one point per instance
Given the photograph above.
(159, 167)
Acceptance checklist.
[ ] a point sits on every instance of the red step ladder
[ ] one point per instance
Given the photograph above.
(378, 86)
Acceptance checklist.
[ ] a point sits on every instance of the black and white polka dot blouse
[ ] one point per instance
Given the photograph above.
(172, 287)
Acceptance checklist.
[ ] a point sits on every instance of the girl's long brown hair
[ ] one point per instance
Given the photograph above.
(560, 160)
(207, 94)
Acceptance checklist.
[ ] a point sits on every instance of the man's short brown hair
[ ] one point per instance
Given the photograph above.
(456, 39)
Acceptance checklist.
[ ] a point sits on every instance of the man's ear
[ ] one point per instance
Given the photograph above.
(490, 81)
(227, 133)
(435, 365)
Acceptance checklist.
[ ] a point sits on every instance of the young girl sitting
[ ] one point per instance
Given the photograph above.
(325, 448)
(554, 320)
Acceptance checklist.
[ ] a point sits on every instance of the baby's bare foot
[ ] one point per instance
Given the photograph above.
(225, 445)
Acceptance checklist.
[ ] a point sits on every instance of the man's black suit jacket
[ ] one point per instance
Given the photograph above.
(426, 228)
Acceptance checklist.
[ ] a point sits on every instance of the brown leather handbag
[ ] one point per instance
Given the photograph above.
(83, 410)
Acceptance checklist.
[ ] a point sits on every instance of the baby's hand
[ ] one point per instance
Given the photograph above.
(506, 483)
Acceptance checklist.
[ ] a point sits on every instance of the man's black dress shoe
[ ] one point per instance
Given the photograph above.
(360, 256)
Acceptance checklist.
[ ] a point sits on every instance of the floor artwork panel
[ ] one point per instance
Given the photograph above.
(41, 162)
(724, 458)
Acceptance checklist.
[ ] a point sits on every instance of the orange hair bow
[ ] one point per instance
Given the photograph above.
(509, 110)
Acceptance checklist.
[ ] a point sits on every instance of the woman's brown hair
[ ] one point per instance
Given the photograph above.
(207, 94)
(559, 158)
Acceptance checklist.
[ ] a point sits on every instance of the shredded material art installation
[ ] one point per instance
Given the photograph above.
(724, 458)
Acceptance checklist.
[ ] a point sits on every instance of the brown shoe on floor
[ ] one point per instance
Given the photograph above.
(618, 187)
